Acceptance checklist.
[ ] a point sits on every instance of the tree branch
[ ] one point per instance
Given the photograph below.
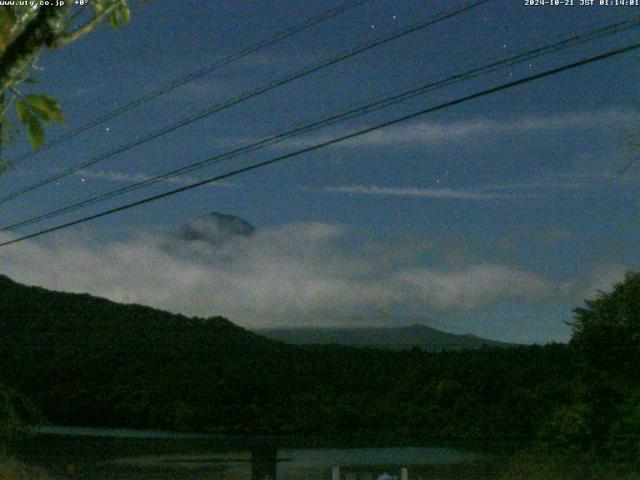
(40, 32)
(89, 27)
(21, 21)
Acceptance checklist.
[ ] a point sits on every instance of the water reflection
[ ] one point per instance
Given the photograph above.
(100, 454)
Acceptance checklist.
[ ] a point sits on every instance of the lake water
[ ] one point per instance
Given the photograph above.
(81, 453)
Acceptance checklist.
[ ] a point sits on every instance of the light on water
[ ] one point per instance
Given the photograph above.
(96, 453)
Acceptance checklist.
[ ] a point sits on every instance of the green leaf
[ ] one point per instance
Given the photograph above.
(36, 132)
(46, 107)
(57, 115)
(113, 19)
(99, 6)
(6, 19)
(23, 110)
(6, 22)
(125, 13)
(42, 115)
(120, 16)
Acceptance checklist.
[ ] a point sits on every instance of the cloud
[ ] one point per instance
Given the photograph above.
(296, 274)
(206, 90)
(231, 81)
(507, 191)
(474, 287)
(537, 185)
(431, 193)
(426, 132)
(588, 178)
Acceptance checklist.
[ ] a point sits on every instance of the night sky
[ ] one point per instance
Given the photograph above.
(495, 217)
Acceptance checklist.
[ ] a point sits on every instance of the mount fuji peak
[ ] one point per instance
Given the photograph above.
(215, 228)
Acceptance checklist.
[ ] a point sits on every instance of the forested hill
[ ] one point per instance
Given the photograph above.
(393, 338)
(88, 361)
(48, 317)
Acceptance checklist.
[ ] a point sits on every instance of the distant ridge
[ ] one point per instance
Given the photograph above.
(389, 338)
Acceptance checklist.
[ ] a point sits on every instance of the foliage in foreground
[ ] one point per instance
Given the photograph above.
(26, 30)
(537, 464)
(11, 469)
(16, 411)
(604, 417)
(597, 435)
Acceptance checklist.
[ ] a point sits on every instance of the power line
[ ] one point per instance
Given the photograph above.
(246, 96)
(333, 141)
(490, 67)
(256, 47)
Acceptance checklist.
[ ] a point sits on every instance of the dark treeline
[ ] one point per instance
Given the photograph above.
(82, 360)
